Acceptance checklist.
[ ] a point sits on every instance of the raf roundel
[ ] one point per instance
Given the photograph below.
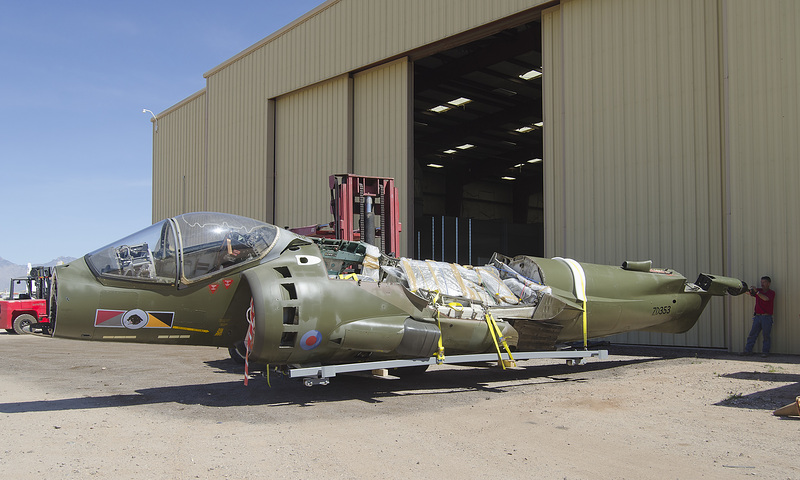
(311, 339)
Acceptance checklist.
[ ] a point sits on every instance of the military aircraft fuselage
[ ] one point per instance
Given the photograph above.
(209, 279)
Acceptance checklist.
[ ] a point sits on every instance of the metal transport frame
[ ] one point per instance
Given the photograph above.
(321, 375)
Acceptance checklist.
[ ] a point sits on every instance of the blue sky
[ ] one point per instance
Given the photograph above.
(75, 147)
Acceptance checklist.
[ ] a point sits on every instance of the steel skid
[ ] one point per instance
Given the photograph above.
(321, 375)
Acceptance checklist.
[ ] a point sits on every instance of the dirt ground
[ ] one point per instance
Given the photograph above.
(73, 409)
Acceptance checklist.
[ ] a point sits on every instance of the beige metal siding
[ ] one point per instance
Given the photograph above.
(347, 35)
(552, 101)
(311, 143)
(763, 146)
(382, 129)
(179, 159)
(337, 38)
(636, 111)
(239, 159)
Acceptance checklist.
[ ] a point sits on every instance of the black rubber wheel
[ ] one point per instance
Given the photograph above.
(238, 352)
(404, 372)
(22, 324)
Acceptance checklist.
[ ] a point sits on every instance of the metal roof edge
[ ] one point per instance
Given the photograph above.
(182, 103)
(278, 33)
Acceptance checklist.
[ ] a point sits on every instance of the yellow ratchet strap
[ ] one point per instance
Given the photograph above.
(440, 350)
(585, 333)
(456, 306)
(498, 338)
(349, 276)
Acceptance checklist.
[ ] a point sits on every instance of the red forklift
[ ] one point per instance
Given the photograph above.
(27, 311)
(373, 200)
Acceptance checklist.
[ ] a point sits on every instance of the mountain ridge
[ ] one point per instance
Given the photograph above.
(9, 270)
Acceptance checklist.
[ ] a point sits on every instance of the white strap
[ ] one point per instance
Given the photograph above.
(580, 292)
(578, 275)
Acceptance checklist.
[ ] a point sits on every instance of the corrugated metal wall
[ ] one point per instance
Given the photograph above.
(179, 176)
(382, 131)
(239, 160)
(311, 143)
(348, 35)
(633, 171)
(344, 36)
(553, 135)
(763, 146)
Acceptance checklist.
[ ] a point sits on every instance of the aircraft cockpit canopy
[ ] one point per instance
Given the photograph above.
(213, 242)
(201, 244)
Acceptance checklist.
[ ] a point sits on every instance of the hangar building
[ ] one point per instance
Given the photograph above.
(601, 130)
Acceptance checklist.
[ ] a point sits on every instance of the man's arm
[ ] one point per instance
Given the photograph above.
(757, 293)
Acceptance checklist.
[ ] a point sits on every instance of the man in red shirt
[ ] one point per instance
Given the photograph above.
(762, 317)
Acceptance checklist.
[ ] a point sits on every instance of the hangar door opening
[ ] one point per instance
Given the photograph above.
(478, 148)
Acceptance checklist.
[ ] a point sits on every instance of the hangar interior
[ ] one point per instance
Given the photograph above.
(478, 148)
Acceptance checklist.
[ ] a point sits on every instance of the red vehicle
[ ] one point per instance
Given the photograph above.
(26, 312)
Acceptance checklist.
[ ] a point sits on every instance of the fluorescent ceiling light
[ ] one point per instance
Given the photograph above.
(534, 160)
(519, 165)
(465, 146)
(459, 101)
(439, 109)
(539, 124)
(530, 75)
(435, 165)
(504, 91)
(450, 151)
(524, 129)
(508, 178)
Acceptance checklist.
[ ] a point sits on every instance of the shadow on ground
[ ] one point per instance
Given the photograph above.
(436, 382)
(768, 398)
(369, 389)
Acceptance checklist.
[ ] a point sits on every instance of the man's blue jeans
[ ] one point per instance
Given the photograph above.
(761, 323)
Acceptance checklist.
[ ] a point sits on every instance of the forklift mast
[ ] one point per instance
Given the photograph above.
(375, 201)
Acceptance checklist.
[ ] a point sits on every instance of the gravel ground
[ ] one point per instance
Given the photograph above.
(73, 409)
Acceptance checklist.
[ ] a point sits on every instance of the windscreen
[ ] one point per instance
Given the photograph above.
(214, 242)
(148, 256)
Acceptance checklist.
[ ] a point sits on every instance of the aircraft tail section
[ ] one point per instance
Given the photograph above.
(718, 285)
(683, 323)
